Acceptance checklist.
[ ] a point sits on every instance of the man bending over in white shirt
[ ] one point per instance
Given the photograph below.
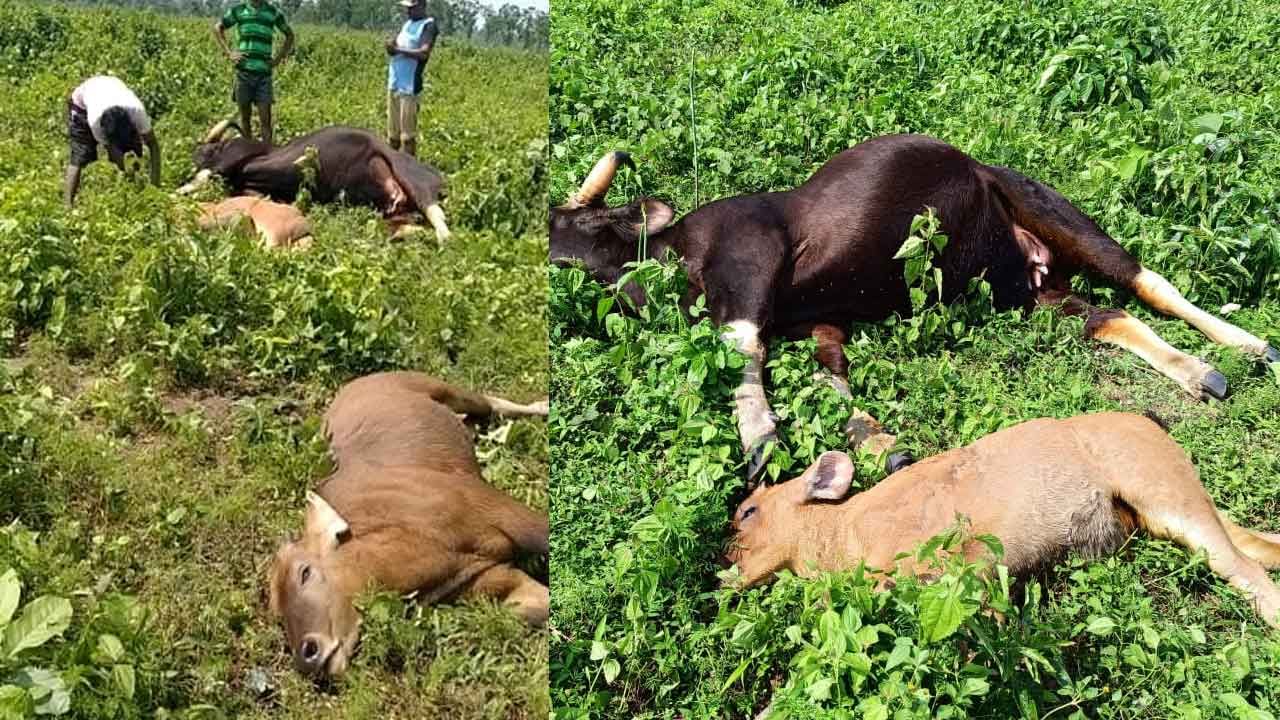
(104, 111)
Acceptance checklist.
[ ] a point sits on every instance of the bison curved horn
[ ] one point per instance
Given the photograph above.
(216, 133)
(600, 178)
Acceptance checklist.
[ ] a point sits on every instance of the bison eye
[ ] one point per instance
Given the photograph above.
(748, 512)
(305, 574)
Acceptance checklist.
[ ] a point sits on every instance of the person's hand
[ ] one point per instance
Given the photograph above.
(275, 62)
(391, 46)
(236, 56)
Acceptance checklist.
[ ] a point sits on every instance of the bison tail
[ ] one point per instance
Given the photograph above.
(1071, 236)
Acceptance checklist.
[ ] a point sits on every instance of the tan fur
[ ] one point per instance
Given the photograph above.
(1130, 333)
(1160, 294)
(417, 516)
(278, 225)
(1044, 487)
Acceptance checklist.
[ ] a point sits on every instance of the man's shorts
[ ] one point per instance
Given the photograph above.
(252, 88)
(402, 117)
(84, 146)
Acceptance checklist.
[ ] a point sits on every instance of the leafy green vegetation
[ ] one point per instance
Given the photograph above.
(1157, 118)
(161, 387)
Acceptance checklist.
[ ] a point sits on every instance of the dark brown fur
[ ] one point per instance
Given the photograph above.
(822, 254)
(351, 164)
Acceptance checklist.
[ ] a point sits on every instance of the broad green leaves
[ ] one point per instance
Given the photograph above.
(27, 690)
(942, 610)
(10, 590)
(41, 620)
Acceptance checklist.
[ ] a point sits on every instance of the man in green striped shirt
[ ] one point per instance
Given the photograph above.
(256, 22)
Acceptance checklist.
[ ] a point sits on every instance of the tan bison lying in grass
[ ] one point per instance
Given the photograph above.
(405, 510)
(1044, 488)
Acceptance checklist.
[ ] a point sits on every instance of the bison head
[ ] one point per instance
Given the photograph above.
(312, 594)
(218, 155)
(584, 230)
(774, 523)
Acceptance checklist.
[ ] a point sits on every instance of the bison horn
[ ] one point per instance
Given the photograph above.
(600, 178)
(216, 133)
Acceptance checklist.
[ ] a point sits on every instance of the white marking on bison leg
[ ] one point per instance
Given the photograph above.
(436, 217)
(506, 408)
(1130, 333)
(200, 180)
(1160, 294)
(755, 417)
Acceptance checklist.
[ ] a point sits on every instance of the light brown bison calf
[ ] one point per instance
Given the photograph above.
(278, 225)
(405, 510)
(1044, 487)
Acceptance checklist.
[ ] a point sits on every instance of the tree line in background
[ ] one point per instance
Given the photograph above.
(511, 25)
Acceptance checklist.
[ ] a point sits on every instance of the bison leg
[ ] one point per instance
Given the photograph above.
(1160, 294)
(756, 420)
(862, 430)
(1194, 524)
(1121, 329)
(435, 216)
(394, 198)
(526, 596)
(200, 180)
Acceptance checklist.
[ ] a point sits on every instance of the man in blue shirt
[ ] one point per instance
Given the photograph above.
(409, 51)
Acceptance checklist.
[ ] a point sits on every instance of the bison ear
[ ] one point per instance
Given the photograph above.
(829, 478)
(646, 216)
(653, 216)
(324, 522)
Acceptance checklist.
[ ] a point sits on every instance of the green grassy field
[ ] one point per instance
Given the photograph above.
(161, 388)
(1158, 118)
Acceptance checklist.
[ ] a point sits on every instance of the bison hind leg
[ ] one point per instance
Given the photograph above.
(525, 596)
(395, 200)
(1197, 527)
(862, 431)
(1119, 328)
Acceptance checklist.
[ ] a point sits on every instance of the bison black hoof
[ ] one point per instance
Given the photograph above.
(1272, 355)
(897, 461)
(1213, 384)
(759, 459)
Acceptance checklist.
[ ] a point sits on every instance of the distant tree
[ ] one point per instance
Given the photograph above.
(508, 25)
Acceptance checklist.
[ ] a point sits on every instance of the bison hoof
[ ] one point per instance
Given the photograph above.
(861, 427)
(1272, 355)
(759, 458)
(1213, 384)
(897, 461)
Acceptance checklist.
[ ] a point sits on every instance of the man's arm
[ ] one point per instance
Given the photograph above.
(220, 32)
(422, 53)
(288, 42)
(153, 150)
